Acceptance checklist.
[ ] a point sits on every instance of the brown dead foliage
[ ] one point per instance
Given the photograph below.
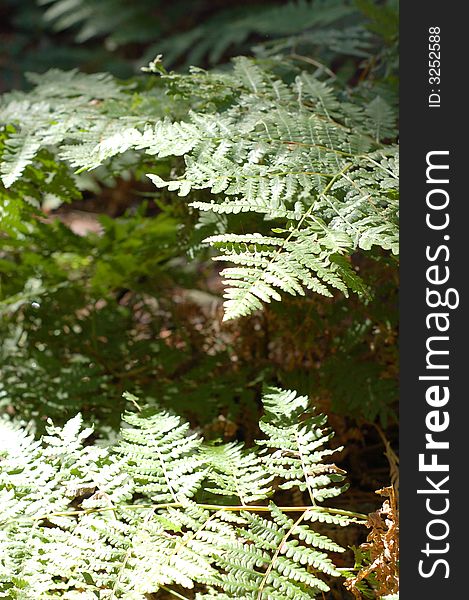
(382, 544)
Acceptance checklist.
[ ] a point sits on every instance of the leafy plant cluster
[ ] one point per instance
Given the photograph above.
(293, 154)
(160, 508)
(284, 226)
(189, 236)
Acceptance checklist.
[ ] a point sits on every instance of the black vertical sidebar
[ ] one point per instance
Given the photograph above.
(434, 321)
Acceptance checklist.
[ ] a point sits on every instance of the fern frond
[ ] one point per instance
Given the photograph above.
(162, 458)
(297, 446)
(237, 472)
(267, 264)
(266, 560)
(382, 119)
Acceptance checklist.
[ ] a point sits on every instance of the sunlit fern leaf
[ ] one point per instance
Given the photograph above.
(267, 265)
(295, 448)
(161, 456)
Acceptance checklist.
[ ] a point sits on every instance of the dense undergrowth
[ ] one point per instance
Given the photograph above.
(178, 251)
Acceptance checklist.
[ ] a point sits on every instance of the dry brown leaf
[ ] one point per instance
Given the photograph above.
(383, 545)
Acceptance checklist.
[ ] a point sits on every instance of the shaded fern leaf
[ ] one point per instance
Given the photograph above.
(237, 472)
(381, 118)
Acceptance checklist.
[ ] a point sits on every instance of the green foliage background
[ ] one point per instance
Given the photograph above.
(132, 202)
